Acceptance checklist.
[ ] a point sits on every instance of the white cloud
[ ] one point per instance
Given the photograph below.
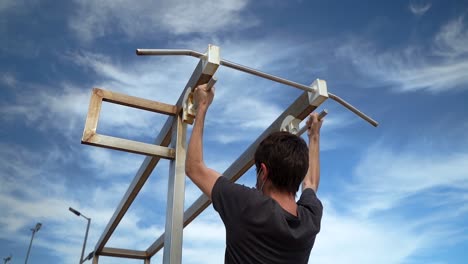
(370, 213)
(7, 4)
(8, 79)
(419, 9)
(416, 68)
(387, 177)
(94, 19)
(452, 38)
(204, 239)
(244, 102)
(367, 240)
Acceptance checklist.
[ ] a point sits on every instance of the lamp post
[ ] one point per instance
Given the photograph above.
(7, 259)
(86, 235)
(34, 230)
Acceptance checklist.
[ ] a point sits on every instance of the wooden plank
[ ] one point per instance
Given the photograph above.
(130, 146)
(163, 139)
(136, 102)
(93, 115)
(301, 108)
(123, 253)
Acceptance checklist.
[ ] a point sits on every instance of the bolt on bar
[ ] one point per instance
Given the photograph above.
(256, 73)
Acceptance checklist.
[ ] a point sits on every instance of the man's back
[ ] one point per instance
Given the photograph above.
(259, 230)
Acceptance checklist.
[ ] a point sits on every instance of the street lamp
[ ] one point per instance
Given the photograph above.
(7, 259)
(34, 230)
(86, 235)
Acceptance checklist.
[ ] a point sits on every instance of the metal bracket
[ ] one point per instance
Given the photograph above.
(321, 93)
(210, 63)
(190, 105)
(290, 124)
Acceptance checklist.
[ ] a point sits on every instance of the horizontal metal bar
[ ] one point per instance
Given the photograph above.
(266, 75)
(256, 73)
(227, 64)
(353, 109)
(166, 52)
(130, 146)
(123, 253)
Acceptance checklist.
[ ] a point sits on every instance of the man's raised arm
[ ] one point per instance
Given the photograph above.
(195, 167)
(312, 177)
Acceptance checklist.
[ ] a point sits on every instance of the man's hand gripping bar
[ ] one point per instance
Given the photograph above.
(304, 128)
(190, 105)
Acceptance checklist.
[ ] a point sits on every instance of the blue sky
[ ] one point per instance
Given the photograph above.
(393, 194)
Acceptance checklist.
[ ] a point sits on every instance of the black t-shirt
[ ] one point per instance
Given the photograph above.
(259, 230)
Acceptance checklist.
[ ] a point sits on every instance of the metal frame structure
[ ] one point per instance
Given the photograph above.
(171, 144)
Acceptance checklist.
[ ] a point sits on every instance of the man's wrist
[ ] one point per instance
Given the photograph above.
(202, 109)
(314, 137)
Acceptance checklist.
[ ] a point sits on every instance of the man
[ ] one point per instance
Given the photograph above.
(264, 225)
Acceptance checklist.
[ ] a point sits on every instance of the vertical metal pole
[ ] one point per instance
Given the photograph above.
(96, 259)
(147, 261)
(86, 238)
(30, 243)
(175, 195)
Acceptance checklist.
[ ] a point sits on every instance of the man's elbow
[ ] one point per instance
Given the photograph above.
(310, 184)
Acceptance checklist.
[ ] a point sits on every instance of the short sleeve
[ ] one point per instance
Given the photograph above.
(230, 199)
(310, 201)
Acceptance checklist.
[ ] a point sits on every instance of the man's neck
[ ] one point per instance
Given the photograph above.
(285, 200)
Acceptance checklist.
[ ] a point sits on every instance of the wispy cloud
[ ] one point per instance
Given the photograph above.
(97, 19)
(8, 79)
(238, 103)
(382, 168)
(387, 183)
(438, 67)
(30, 193)
(451, 40)
(419, 9)
(7, 4)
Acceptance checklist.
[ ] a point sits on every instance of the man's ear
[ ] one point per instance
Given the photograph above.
(265, 171)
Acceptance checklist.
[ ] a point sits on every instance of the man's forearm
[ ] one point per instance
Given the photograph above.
(195, 147)
(312, 177)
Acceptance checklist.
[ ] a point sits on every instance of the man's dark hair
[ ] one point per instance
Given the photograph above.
(287, 158)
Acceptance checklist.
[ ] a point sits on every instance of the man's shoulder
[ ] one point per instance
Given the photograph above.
(224, 189)
(224, 184)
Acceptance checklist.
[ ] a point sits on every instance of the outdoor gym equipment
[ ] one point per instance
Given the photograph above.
(171, 144)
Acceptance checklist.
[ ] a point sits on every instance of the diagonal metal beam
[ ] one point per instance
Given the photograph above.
(202, 74)
(301, 108)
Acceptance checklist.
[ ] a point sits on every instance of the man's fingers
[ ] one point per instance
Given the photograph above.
(315, 118)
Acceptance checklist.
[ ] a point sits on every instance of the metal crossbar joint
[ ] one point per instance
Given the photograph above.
(191, 105)
(290, 124)
(210, 63)
(321, 93)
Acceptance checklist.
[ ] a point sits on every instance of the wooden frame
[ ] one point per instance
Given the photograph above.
(91, 137)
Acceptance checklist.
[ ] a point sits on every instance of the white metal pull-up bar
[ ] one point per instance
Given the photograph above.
(184, 52)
